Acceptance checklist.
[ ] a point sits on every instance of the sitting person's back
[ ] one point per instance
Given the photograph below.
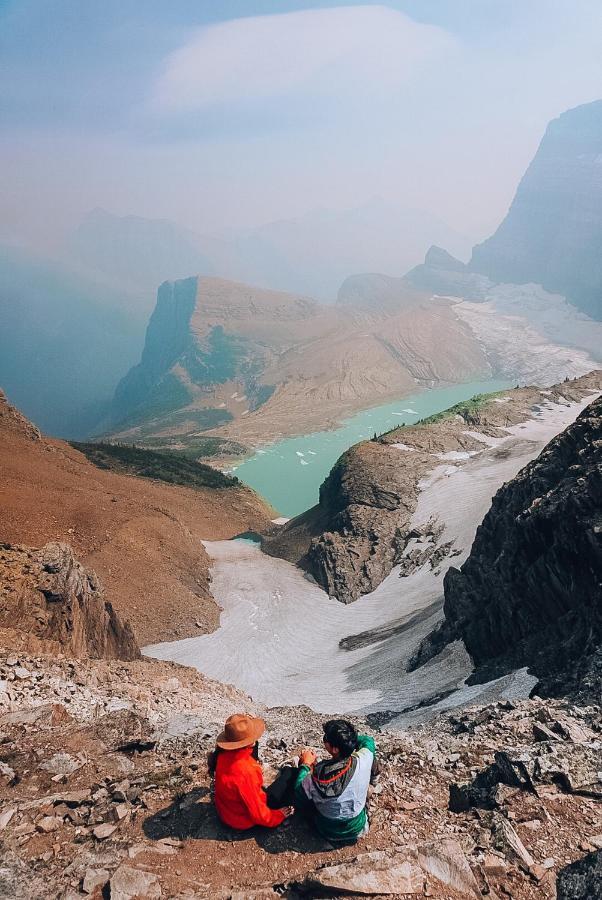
(337, 788)
(240, 799)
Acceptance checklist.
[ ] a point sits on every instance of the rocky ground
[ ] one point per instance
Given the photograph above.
(104, 792)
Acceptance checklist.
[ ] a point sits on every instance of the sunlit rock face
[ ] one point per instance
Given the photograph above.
(552, 234)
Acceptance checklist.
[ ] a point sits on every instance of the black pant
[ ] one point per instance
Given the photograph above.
(282, 790)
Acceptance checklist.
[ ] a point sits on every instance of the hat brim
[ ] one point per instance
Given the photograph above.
(257, 729)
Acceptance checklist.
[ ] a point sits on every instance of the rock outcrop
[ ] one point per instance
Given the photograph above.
(530, 593)
(47, 597)
(552, 234)
(441, 273)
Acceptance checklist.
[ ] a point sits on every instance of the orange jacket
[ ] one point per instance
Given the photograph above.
(239, 796)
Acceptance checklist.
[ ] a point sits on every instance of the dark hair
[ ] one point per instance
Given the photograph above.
(212, 757)
(341, 734)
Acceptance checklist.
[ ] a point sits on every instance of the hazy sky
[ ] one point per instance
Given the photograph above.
(234, 112)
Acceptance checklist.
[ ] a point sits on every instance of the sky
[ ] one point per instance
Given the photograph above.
(233, 113)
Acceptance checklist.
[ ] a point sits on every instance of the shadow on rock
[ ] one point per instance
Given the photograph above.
(194, 817)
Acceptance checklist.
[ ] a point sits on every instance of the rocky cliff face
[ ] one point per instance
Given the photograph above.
(48, 598)
(552, 234)
(530, 592)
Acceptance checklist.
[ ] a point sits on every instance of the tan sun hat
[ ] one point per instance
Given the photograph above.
(239, 731)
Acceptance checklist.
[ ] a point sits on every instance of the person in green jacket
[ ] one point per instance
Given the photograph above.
(335, 789)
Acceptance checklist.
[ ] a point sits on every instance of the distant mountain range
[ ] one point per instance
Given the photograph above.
(310, 255)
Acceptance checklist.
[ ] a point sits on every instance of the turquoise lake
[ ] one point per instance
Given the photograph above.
(288, 474)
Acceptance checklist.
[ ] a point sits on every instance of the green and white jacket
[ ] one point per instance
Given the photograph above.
(337, 791)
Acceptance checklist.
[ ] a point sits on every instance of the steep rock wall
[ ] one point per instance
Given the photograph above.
(552, 234)
(530, 592)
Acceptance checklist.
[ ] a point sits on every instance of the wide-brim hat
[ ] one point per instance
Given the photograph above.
(239, 731)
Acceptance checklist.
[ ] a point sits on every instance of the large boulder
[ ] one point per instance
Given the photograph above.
(48, 596)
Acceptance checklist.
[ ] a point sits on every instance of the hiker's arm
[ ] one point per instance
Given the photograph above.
(365, 742)
(254, 798)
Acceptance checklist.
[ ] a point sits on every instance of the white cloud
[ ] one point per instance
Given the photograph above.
(336, 52)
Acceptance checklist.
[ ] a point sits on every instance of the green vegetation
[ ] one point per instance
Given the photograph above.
(171, 466)
(466, 408)
(195, 447)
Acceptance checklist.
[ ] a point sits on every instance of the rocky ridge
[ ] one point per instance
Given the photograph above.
(104, 791)
(362, 524)
(529, 593)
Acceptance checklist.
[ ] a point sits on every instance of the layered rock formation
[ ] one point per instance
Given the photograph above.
(48, 598)
(530, 592)
(552, 234)
(252, 365)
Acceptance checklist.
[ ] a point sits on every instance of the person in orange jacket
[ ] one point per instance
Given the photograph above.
(240, 798)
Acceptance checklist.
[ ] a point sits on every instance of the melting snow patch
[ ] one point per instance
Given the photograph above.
(404, 447)
(451, 470)
(502, 399)
(457, 454)
(281, 520)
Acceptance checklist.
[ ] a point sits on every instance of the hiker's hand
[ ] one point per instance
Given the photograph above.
(288, 811)
(308, 758)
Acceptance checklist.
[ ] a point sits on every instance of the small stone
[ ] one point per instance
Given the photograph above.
(538, 872)
(494, 865)
(94, 878)
(128, 883)
(48, 824)
(596, 841)
(5, 817)
(119, 812)
(22, 673)
(12, 661)
(120, 791)
(104, 831)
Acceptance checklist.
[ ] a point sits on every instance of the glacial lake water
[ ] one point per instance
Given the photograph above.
(288, 474)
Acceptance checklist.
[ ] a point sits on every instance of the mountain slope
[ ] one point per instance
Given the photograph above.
(552, 234)
(530, 593)
(142, 537)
